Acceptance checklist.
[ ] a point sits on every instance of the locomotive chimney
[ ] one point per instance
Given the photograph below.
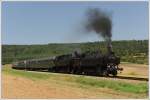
(109, 46)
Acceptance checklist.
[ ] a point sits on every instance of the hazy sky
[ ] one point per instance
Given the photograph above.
(59, 22)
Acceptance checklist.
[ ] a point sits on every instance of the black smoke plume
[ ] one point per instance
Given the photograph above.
(99, 22)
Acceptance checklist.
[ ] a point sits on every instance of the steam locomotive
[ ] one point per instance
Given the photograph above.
(88, 63)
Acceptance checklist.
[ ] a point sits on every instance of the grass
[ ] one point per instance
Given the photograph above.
(81, 80)
(22, 73)
(120, 86)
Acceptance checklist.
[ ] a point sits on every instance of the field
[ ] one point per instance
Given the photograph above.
(28, 84)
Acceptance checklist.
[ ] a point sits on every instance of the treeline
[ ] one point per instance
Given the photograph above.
(134, 51)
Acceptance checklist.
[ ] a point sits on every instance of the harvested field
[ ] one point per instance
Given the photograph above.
(134, 70)
(25, 84)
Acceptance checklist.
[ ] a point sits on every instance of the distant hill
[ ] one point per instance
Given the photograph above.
(134, 51)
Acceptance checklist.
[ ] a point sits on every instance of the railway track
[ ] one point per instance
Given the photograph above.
(113, 77)
(131, 78)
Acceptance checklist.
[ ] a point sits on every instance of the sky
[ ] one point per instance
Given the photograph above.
(27, 22)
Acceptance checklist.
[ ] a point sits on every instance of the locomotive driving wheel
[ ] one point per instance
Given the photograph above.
(112, 69)
(114, 72)
(105, 73)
